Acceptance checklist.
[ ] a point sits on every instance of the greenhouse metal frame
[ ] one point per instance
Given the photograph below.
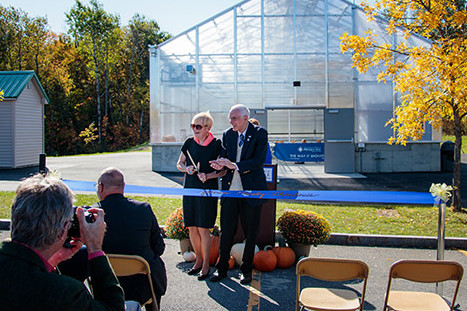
(282, 59)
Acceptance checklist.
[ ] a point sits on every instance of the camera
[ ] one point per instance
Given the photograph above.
(73, 231)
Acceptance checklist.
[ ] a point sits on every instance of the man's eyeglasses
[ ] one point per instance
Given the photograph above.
(197, 126)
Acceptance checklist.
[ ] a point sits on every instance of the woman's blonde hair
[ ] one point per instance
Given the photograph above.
(205, 118)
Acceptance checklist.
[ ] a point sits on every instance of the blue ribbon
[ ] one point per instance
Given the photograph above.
(397, 197)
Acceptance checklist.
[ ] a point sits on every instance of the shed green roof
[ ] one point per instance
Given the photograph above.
(13, 83)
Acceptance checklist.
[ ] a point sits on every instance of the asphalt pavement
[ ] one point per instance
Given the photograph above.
(272, 290)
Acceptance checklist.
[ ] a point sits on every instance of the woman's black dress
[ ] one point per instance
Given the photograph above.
(200, 211)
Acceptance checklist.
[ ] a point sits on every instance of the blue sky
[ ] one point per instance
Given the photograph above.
(173, 16)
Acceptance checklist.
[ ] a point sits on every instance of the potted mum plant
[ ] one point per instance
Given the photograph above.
(301, 229)
(174, 229)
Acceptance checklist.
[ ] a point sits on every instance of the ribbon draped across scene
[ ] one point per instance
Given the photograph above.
(397, 197)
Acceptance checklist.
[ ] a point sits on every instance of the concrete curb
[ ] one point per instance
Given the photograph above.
(400, 241)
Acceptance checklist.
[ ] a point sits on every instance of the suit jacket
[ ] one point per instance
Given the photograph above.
(250, 166)
(132, 229)
(25, 284)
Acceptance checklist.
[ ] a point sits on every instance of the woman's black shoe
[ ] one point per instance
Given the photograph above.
(194, 271)
(203, 277)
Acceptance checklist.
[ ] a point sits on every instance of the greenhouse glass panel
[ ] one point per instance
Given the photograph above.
(307, 124)
(278, 7)
(249, 35)
(311, 68)
(175, 126)
(338, 7)
(341, 94)
(340, 68)
(279, 68)
(250, 94)
(174, 70)
(311, 94)
(249, 68)
(310, 34)
(181, 45)
(309, 7)
(249, 8)
(216, 68)
(278, 32)
(216, 36)
(337, 26)
(374, 110)
(279, 94)
(218, 97)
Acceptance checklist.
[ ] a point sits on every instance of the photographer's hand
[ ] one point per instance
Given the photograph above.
(65, 253)
(92, 234)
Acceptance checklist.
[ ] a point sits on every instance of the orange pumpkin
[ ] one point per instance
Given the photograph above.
(265, 260)
(215, 240)
(231, 262)
(285, 256)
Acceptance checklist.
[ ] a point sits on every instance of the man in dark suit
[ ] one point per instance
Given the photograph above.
(41, 215)
(132, 229)
(243, 154)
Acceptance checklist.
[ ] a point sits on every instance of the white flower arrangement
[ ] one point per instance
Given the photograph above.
(441, 192)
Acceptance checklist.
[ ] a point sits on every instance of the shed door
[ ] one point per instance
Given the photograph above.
(339, 140)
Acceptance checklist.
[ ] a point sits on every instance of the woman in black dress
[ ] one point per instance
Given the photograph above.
(199, 213)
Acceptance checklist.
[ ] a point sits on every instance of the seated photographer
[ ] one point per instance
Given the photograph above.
(41, 214)
(132, 229)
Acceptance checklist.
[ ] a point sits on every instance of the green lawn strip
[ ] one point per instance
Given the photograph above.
(343, 218)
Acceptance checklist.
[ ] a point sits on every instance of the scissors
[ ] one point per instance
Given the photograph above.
(196, 166)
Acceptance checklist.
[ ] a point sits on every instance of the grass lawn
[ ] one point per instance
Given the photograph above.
(358, 219)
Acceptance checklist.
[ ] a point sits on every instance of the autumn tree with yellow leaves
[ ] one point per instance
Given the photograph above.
(431, 80)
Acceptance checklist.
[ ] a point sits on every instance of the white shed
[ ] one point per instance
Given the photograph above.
(21, 119)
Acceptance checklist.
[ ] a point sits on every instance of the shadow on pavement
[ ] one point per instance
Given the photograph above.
(175, 177)
(18, 174)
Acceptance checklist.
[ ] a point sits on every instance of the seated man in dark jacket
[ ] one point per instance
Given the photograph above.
(132, 229)
(40, 218)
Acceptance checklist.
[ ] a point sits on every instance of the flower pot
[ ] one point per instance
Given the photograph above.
(300, 249)
(185, 246)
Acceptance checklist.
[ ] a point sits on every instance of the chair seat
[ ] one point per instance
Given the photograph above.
(416, 301)
(329, 299)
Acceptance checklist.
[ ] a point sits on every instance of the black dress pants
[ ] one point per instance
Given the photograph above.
(231, 210)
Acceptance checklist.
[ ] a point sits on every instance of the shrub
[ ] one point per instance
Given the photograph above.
(174, 228)
(304, 227)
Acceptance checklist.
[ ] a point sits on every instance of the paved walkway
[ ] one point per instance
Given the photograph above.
(274, 290)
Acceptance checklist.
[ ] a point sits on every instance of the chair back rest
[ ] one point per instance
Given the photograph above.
(332, 269)
(427, 271)
(125, 265)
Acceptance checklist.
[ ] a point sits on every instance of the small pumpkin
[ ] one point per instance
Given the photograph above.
(237, 252)
(231, 262)
(265, 260)
(189, 256)
(285, 256)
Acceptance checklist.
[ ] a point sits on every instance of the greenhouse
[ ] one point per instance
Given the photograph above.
(282, 59)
